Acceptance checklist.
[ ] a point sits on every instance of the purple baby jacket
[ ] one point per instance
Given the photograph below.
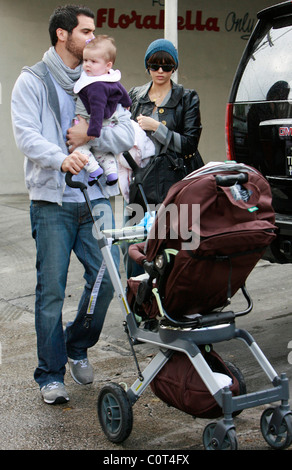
(100, 100)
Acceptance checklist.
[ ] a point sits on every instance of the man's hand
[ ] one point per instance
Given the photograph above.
(74, 162)
(77, 135)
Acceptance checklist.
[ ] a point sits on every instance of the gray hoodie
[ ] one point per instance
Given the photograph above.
(38, 133)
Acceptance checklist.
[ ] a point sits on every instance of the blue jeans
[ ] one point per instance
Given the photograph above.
(57, 231)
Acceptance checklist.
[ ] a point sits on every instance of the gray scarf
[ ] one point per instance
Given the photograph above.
(65, 76)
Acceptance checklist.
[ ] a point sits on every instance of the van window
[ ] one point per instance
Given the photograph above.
(268, 72)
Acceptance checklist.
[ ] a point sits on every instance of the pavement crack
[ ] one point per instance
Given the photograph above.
(11, 312)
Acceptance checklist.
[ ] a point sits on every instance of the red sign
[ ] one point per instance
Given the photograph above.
(108, 17)
(285, 131)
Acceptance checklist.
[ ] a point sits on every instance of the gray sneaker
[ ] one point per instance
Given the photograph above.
(54, 393)
(81, 371)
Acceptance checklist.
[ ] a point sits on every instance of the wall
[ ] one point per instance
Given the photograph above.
(211, 38)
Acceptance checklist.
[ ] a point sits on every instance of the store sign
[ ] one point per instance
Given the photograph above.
(107, 16)
(190, 21)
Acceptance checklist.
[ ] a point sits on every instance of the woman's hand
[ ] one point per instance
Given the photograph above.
(77, 135)
(147, 123)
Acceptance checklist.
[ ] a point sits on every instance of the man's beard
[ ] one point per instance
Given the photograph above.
(74, 49)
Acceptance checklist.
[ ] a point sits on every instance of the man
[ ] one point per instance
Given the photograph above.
(42, 111)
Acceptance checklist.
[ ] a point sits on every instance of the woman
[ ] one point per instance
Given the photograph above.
(162, 106)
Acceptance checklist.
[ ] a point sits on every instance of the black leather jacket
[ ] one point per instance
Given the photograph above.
(181, 114)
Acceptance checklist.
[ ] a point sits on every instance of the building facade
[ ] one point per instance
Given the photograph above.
(211, 37)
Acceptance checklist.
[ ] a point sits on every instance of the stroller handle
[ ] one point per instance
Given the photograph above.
(130, 160)
(230, 180)
(74, 184)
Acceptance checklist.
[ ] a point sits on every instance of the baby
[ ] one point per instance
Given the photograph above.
(99, 92)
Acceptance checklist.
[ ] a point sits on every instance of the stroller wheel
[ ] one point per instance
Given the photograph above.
(239, 376)
(115, 412)
(229, 442)
(280, 437)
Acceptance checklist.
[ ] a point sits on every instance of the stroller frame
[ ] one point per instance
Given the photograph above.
(115, 403)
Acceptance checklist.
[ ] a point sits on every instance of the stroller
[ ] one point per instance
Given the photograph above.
(186, 292)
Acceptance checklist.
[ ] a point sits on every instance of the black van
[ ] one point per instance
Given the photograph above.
(259, 115)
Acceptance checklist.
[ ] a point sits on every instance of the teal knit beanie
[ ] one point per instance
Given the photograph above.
(161, 45)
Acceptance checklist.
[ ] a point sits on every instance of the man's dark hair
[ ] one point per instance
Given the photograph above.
(66, 17)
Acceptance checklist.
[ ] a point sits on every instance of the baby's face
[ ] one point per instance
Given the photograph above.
(94, 64)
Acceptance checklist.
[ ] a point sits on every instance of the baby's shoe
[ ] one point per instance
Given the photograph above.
(111, 179)
(93, 177)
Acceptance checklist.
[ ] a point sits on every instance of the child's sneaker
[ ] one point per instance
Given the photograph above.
(111, 179)
(93, 177)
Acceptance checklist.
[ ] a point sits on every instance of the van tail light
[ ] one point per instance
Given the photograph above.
(229, 132)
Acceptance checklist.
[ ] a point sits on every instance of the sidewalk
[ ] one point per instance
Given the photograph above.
(28, 424)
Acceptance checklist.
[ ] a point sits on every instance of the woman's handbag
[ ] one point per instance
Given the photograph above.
(156, 178)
